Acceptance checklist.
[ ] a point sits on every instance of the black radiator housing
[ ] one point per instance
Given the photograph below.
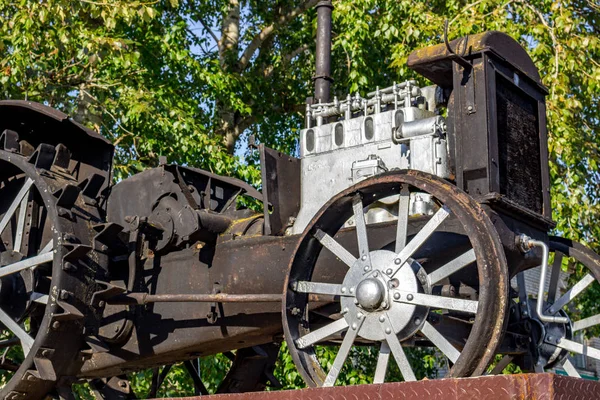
(496, 122)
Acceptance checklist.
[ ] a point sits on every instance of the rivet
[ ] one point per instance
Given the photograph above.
(345, 311)
(397, 261)
(409, 297)
(343, 289)
(46, 353)
(359, 315)
(397, 295)
(470, 108)
(381, 318)
(558, 340)
(550, 338)
(351, 290)
(389, 271)
(55, 325)
(375, 274)
(101, 303)
(356, 301)
(417, 321)
(354, 325)
(384, 304)
(364, 257)
(367, 268)
(552, 310)
(388, 330)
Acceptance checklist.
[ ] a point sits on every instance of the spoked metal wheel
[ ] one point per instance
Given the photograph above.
(41, 327)
(437, 280)
(571, 299)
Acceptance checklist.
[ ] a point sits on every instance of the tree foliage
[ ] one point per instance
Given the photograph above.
(191, 79)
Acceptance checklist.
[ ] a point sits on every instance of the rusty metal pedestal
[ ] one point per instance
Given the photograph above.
(500, 387)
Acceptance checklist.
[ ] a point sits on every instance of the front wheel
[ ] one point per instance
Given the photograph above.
(437, 278)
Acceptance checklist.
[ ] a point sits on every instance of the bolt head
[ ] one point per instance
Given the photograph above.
(397, 296)
(409, 297)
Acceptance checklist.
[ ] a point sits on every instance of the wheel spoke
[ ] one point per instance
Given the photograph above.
(402, 227)
(320, 288)
(337, 249)
(48, 247)
(21, 223)
(322, 333)
(39, 297)
(361, 229)
(27, 263)
(555, 277)
(342, 354)
(382, 363)
(397, 351)
(579, 348)
(501, 365)
(420, 238)
(455, 265)
(572, 293)
(440, 342)
(13, 207)
(570, 369)
(438, 302)
(26, 340)
(586, 323)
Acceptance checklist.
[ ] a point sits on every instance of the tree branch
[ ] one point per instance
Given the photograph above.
(267, 31)
(286, 59)
(210, 32)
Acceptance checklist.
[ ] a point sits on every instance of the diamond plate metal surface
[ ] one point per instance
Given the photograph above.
(501, 387)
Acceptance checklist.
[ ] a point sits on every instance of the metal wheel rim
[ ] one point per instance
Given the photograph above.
(57, 340)
(485, 334)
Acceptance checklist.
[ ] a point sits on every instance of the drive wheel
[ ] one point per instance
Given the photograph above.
(42, 274)
(441, 281)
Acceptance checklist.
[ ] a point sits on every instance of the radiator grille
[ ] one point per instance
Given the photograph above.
(518, 146)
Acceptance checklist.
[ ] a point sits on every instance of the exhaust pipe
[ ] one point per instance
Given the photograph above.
(323, 56)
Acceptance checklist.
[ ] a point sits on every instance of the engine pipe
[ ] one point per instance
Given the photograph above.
(323, 55)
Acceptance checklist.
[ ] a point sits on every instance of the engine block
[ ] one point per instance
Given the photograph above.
(344, 142)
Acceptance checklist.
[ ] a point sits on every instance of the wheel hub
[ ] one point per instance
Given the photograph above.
(372, 299)
(370, 294)
(546, 336)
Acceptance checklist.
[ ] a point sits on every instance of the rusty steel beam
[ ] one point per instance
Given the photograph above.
(499, 387)
(145, 298)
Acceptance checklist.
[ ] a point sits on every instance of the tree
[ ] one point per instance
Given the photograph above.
(191, 80)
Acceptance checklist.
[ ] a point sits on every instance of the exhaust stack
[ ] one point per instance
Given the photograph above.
(323, 56)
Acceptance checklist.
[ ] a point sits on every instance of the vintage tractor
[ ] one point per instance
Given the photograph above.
(401, 225)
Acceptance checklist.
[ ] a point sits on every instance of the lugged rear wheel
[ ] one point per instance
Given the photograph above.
(46, 233)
